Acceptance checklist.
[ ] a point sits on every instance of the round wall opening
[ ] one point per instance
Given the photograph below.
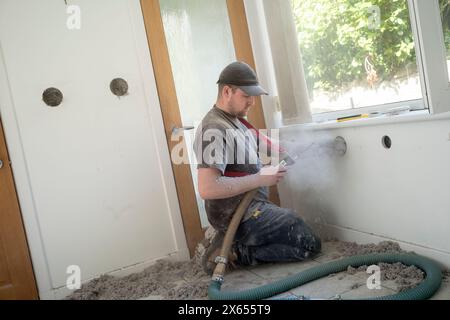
(387, 142)
(340, 146)
(52, 97)
(119, 87)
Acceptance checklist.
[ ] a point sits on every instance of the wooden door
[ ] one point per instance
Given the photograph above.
(170, 108)
(16, 273)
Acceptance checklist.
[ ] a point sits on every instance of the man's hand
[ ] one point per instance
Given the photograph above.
(271, 175)
(212, 185)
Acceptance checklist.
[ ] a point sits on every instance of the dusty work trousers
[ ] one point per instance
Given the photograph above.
(274, 234)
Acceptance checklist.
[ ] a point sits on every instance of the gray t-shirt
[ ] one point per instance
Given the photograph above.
(225, 143)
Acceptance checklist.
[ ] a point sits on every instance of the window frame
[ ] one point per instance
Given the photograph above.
(430, 35)
(415, 105)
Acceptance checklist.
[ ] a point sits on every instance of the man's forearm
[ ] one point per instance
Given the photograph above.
(225, 187)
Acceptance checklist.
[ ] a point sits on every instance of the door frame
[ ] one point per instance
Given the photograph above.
(22, 277)
(170, 108)
(22, 183)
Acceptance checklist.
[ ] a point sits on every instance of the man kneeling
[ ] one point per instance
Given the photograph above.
(230, 167)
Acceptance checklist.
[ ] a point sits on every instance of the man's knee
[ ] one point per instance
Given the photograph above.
(299, 231)
(308, 238)
(316, 245)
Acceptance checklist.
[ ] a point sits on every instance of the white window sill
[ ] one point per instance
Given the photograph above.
(413, 116)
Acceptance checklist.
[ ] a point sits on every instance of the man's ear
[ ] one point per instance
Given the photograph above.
(225, 91)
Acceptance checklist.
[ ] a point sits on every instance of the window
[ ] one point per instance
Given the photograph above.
(445, 16)
(357, 54)
(336, 58)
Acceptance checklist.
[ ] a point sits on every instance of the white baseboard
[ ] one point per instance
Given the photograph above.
(347, 234)
(62, 292)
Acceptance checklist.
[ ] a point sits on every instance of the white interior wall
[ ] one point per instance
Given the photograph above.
(399, 194)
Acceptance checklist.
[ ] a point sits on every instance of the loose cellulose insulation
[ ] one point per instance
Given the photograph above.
(186, 280)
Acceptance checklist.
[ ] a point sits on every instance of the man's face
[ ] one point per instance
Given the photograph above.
(240, 103)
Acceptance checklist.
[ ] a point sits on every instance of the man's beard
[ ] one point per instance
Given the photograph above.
(243, 113)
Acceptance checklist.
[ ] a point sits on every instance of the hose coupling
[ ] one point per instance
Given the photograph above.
(217, 278)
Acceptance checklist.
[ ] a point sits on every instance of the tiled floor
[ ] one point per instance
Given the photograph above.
(340, 285)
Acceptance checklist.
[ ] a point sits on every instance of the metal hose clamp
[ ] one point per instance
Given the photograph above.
(220, 259)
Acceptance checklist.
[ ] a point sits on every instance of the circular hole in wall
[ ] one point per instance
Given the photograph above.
(340, 146)
(52, 97)
(119, 87)
(387, 142)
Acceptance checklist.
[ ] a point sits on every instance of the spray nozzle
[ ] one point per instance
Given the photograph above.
(288, 159)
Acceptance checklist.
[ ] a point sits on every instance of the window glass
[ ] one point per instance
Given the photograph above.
(200, 44)
(445, 15)
(356, 53)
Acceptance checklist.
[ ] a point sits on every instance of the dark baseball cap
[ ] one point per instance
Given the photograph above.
(241, 75)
